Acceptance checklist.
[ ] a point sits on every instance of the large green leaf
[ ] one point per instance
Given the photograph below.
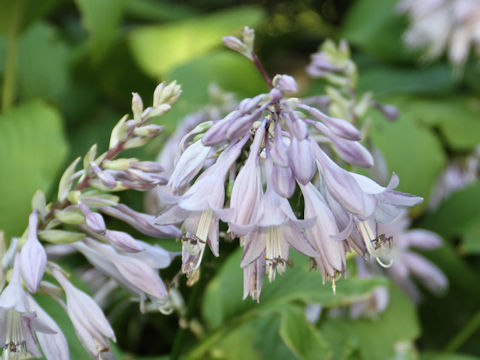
(223, 296)
(101, 19)
(376, 339)
(32, 151)
(411, 150)
(256, 339)
(159, 48)
(300, 336)
(44, 63)
(459, 216)
(158, 10)
(456, 214)
(389, 80)
(18, 15)
(458, 119)
(377, 28)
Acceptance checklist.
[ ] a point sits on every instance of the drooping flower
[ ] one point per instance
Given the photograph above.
(33, 258)
(18, 321)
(91, 325)
(198, 208)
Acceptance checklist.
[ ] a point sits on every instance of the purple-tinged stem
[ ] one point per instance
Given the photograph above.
(259, 66)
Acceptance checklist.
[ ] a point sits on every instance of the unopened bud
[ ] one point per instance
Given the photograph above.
(148, 130)
(60, 236)
(285, 83)
(119, 132)
(70, 216)
(248, 37)
(93, 220)
(166, 94)
(137, 107)
(237, 45)
(118, 164)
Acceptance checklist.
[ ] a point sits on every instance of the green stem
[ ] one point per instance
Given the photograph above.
(468, 330)
(10, 70)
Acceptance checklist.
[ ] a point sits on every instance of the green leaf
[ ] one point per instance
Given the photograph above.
(456, 214)
(411, 150)
(44, 63)
(18, 15)
(32, 151)
(435, 79)
(256, 339)
(378, 339)
(160, 48)
(101, 19)
(300, 336)
(377, 28)
(223, 296)
(158, 10)
(458, 119)
(433, 356)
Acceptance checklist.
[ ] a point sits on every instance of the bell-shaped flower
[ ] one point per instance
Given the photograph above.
(141, 222)
(189, 164)
(407, 263)
(18, 322)
(247, 188)
(136, 272)
(200, 207)
(33, 258)
(91, 325)
(54, 346)
(253, 275)
(331, 259)
(276, 229)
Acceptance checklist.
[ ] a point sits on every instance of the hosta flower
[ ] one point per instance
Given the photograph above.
(19, 323)
(443, 25)
(198, 208)
(33, 258)
(409, 264)
(91, 325)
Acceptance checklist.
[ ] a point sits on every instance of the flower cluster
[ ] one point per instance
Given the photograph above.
(263, 151)
(75, 221)
(443, 25)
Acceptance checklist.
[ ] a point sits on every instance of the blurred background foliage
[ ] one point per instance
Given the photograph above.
(68, 69)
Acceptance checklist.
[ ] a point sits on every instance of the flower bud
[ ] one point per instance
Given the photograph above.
(137, 108)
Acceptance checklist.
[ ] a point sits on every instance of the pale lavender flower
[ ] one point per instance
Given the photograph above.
(136, 272)
(443, 25)
(199, 207)
(377, 301)
(188, 165)
(276, 229)
(247, 188)
(54, 346)
(409, 264)
(91, 325)
(253, 275)
(122, 241)
(331, 258)
(18, 322)
(93, 220)
(458, 174)
(33, 258)
(141, 222)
